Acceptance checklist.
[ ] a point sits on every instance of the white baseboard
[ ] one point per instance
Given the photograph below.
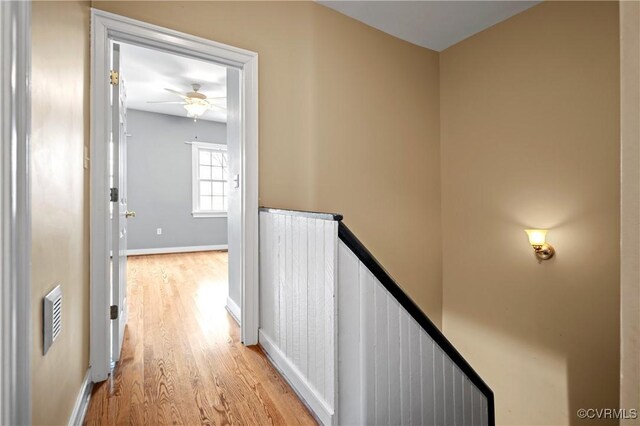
(163, 250)
(234, 310)
(323, 413)
(82, 401)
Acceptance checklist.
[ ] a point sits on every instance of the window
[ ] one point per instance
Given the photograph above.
(210, 179)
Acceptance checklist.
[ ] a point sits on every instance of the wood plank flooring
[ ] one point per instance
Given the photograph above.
(182, 361)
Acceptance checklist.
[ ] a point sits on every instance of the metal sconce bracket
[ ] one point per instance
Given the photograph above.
(544, 251)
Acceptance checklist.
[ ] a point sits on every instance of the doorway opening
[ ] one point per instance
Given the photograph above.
(174, 173)
(174, 181)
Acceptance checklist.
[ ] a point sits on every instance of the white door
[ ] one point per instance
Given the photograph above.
(119, 208)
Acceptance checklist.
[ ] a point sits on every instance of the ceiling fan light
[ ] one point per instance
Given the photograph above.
(196, 109)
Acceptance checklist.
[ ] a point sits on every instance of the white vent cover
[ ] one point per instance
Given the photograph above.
(52, 316)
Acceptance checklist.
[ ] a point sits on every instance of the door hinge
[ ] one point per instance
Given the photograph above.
(114, 77)
(113, 312)
(113, 195)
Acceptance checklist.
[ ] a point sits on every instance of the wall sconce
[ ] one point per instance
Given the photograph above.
(537, 240)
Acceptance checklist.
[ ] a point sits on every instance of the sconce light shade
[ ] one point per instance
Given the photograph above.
(537, 239)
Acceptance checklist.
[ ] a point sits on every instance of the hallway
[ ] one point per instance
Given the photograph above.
(182, 361)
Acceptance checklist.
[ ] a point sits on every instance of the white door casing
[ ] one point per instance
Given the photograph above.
(15, 213)
(234, 219)
(107, 28)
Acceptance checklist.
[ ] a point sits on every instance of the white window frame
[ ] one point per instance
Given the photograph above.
(195, 179)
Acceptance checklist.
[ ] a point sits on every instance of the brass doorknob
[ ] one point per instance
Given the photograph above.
(129, 214)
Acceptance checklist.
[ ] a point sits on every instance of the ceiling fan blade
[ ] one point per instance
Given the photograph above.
(182, 95)
(166, 102)
(218, 97)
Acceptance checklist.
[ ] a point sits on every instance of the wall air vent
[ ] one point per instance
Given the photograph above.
(52, 318)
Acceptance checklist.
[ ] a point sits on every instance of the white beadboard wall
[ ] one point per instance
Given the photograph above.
(298, 266)
(390, 371)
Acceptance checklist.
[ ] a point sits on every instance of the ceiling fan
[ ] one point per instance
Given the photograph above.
(194, 102)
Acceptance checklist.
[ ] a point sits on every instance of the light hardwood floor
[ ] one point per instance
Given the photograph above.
(182, 361)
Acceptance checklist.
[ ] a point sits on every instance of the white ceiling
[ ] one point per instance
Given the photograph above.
(146, 72)
(435, 25)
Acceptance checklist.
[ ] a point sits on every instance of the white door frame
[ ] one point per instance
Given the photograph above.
(15, 213)
(106, 27)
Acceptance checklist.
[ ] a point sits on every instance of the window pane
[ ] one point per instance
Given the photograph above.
(213, 186)
(218, 204)
(205, 188)
(205, 157)
(205, 172)
(216, 173)
(217, 188)
(216, 158)
(226, 203)
(205, 202)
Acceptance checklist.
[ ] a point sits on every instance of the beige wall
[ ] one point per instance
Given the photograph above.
(349, 122)
(530, 138)
(59, 188)
(630, 214)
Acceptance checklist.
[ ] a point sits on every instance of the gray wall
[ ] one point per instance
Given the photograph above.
(159, 181)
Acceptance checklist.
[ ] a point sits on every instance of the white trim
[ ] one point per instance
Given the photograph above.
(99, 346)
(106, 27)
(164, 250)
(209, 145)
(250, 315)
(233, 309)
(296, 379)
(629, 207)
(204, 215)
(82, 401)
(15, 213)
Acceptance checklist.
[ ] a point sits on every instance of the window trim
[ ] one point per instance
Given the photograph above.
(196, 146)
